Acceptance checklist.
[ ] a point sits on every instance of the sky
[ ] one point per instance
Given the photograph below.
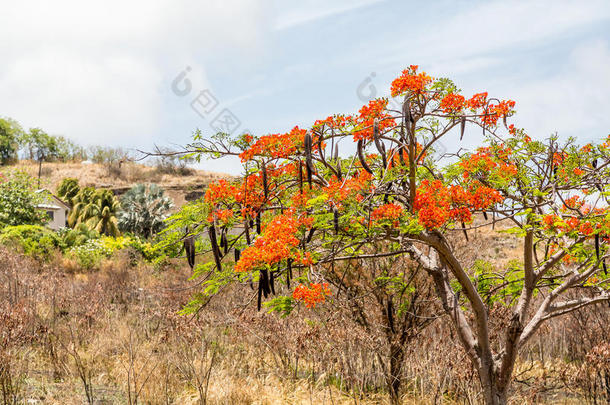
(140, 73)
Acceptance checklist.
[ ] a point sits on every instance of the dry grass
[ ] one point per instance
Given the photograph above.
(178, 186)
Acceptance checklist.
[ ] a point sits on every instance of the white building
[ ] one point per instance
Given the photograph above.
(56, 209)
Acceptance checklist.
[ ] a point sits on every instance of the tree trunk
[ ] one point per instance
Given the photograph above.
(493, 394)
(394, 378)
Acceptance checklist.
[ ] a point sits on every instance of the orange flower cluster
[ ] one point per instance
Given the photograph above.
(410, 81)
(276, 145)
(477, 101)
(339, 191)
(571, 224)
(222, 216)
(311, 295)
(390, 211)
(219, 191)
(277, 243)
(490, 161)
(497, 111)
(438, 204)
(453, 103)
(367, 114)
(338, 121)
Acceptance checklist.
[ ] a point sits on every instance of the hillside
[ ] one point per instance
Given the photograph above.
(180, 184)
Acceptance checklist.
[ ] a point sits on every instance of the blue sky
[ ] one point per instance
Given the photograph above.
(102, 74)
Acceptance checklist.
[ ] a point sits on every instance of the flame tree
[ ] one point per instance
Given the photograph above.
(301, 206)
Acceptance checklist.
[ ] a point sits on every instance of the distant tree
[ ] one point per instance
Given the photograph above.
(10, 132)
(38, 144)
(144, 209)
(18, 200)
(68, 150)
(68, 189)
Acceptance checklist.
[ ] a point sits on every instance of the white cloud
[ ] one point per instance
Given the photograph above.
(313, 10)
(96, 71)
(572, 101)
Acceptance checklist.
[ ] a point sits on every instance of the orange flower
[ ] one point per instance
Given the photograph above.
(311, 295)
(453, 103)
(410, 81)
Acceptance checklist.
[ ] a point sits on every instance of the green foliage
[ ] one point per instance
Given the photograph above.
(10, 132)
(144, 210)
(77, 236)
(34, 240)
(18, 200)
(89, 254)
(96, 208)
(107, 155)
(282, 305)
(68, 189)
(38, 144)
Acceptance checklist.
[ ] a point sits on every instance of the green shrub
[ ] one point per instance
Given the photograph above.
(34, 240)
(89, 254)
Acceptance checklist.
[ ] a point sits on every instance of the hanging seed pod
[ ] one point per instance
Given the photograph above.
(288, 272)
(310, 234)
(365, 166)
(251, 223)
(189, 249)
(336, 219)
(336, 152)
(462, 126)
(339, 173)
(272, 282)
(214, 243)
(401, 156)
(390, 310)
(308, 152)
(485, 215)
(224, 244)
(376, 136)
(247, 226)
(597, 246)
(258, 223)
(406, 110)
(265, 185)
(384, 158)
(264, 282)
(260, 291)
(594, 163)
(464, 230)
(237, 255)
(300, 175)
(604, 267)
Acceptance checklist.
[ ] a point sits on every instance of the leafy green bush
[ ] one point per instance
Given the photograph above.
(34, 240)
(77, 236)
(90, 254)
(18, 200)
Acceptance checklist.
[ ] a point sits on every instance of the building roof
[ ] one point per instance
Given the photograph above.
(58, 202)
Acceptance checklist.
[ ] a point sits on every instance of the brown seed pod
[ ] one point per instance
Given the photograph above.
(336, 219)
(300, 175)
(264, 281)
(272, 281)
(485, 215)
(265, 185)
(336, 152)
(378, 143)
(390, 310)
(310, 234)
(214, 243)
(597, 246)
(258, 222)
(464, 230)
(462, 126)
(308, 152)
(309, 175)
(237, 255)
(247, 226)
(189, 249)
(365, 166)
(224, 244)
(259, 298)
(406, 110)
(288, 272)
